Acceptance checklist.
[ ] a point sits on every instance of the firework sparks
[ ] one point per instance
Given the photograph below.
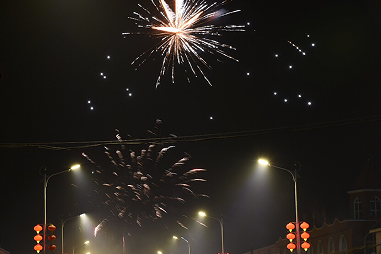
(185, 34)
(145, 186)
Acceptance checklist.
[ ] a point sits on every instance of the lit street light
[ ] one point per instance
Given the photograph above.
(189, 249)
(85, 243)
(222, 229)
(46, 180)
(62, 229)
(294, 176)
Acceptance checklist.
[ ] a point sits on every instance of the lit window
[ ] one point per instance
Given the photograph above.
(331, 246)
(357, 208)
(343, 247)
(375, 206)
(320, 249)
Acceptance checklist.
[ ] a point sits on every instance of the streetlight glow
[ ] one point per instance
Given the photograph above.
(174, 237)
(202, 214)
(159, 252)
(263, 162)
(87, 242)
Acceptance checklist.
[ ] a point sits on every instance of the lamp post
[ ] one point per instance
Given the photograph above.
(46, 180)
(189, 249)
(62, 230)
(222, 229)
(297, 226)
(75, 246)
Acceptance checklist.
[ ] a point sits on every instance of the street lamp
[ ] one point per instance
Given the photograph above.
(175, 237)
(85, 243)
(46, 180)
(222, 228)
(265, 162)
(62, 229)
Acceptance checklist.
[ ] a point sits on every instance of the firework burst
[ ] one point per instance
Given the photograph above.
(185, 34)
(145, 186)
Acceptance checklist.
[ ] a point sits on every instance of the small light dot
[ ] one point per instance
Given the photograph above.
(248, 74)
(104, 77)
(108, 57)
(127, 89)
(275, 93)
(285, 100)
(101, 73)
(290, 66)
(309, 103)
(130, 94)
(276, 55)
(211, 117)
(248, 23)
(299, 95)
(313, 44)
(89, 102)
(91, 108)
(308, 35)
(304, 53)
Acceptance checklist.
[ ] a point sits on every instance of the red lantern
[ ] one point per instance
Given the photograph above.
(291, 246)
(305, 246)
(290, 226)
(52, 247)
(51, 227)
(290, 236)
(37, 228)
(38, 248)
(52, 237)
(38, 238)
(305, 236)
(304, 226)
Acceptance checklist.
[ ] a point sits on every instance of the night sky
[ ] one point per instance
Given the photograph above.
(66, 77)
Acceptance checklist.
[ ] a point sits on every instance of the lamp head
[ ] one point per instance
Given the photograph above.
(74, 167)
(174, 237)
(202, 214)
(87, 242)
(263, 162)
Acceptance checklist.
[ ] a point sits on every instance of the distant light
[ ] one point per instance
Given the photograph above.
(108, 57)
(202, 214)
(275, 93)
(285, 100)
(82, 215)
(127, 89)
(174, 237)
(211, 117)
(88, 102)
(313, 44)
(74, 167)
(104, 77)
(101, 73)
(309, 103)
(299, 95)
(87, 242)
(276, 55)
(130, 94)
(263, 162)
(248, 23)
(290, 66)
(159, 252)
(248, 73)
(308, 35)
(91, 108)
(304, 53)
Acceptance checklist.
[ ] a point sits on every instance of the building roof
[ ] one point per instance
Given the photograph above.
(368, 178)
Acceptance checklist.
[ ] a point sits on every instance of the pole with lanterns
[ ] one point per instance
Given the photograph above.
(291, 236)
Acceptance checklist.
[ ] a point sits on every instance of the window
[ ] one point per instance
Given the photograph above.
(343, 247)
(331, 246)
(357, 208)
(319, 249)
(375, 206)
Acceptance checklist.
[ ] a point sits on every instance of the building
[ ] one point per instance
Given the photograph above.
(361, 234)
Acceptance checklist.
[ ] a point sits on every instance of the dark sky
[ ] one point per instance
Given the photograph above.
(51, 57)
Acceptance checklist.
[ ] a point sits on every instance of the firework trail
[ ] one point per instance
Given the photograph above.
(184, 34)
(145, 186)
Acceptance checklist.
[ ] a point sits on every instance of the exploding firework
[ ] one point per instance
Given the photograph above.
(146, 186)
(185, 34)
